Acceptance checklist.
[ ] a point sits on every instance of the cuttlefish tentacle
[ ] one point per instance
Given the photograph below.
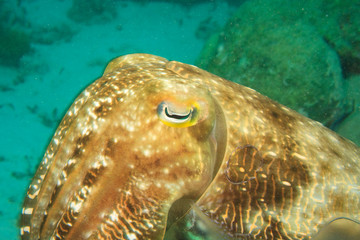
(154, 138)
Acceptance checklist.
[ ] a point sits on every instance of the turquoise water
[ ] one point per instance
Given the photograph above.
(51, 50)
(66, 53)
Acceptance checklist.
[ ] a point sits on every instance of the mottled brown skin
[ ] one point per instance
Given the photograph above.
(253, 168)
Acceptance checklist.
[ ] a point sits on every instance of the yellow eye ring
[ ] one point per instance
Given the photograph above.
(175, 115)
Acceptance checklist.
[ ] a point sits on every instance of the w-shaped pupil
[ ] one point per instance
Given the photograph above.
(177, 116)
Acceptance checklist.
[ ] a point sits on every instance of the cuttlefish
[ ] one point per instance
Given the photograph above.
(158, 149)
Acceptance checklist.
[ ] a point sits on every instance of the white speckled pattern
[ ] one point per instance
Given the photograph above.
(254, 168)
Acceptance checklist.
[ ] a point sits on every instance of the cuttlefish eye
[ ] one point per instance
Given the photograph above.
(178, 115)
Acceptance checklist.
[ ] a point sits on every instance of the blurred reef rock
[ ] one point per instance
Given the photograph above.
(350, 128)
(19, 36)
(92, 11)
(295, 52)
(50, 34)
(338, 22)
(14, 41)
(14, 45)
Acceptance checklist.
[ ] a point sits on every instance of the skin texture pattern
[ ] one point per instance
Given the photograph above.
(158, 149)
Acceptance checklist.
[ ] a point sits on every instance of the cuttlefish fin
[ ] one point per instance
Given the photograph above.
(340, 229)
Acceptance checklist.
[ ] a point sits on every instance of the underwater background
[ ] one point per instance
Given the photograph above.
(304, 54)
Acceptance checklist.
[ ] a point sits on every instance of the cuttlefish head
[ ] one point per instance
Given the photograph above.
(134, 142)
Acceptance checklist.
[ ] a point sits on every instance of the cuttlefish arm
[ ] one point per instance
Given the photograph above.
(154, 138)
(134, 142)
